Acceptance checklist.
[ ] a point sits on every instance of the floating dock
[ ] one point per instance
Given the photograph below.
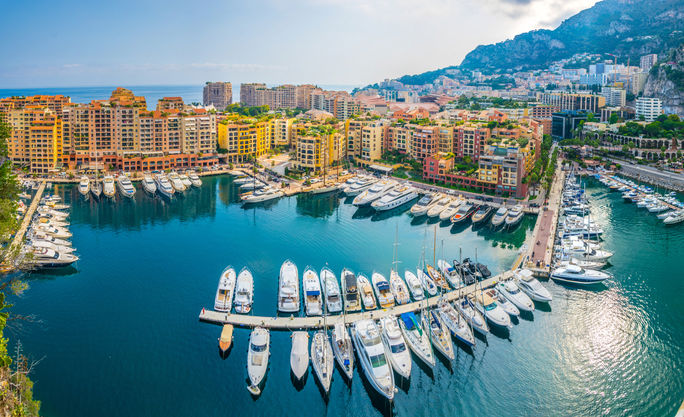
(19, 236)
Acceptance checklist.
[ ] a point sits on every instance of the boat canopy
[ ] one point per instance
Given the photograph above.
(409, 320)
(350, 281)
(313, 293)
(384, 286)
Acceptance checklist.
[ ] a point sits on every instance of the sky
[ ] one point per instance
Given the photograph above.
(329, 42)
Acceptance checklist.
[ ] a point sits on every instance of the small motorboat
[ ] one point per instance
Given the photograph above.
(437, 208)
(126, 187)
(48, 258)
(226, 338)
(96, 189)
(466, 307)
(399, 288)
(437, 277)
(84, 185)
(299, 355)
(224, 293)
(488, 307)
(194, 179)
(288, 288)
(322, 359)
(417, 337)
(452, 274)
(109, 190)
(395, 346)
(313, 301)
(331, 290)
(414, 285)
(244, 291)
(503, 302)
(350, 291)
(500, 216)
(515, 215)
(343, 350)
(428, 284)
(366, 290)
(382, 290)
(185, 180)
(148, 185)
(482, 214)
(451, 209)
(257, 358)
(530, 286)
(423, 205)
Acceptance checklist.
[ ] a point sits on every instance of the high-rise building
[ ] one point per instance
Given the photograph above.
(648, 61)
(36, 138)
(649, 108)
(574, 101)
(614, 96)
(563, 124)
(218, 94)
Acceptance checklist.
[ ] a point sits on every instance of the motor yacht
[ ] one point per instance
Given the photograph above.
(331, 290)
(439, 333)
(164, 186)
(343, 350)
(482, 214)
(360, 185)
(288, 288)
(580, 250)
(322, 359)
(464, 212)
(500, 216)
(574, 274)
(37, 235)
(126, 188)
(48, 258)
(503, 302)
(397, 197)
(350, 291)
(148, 185)
(456, 323)
(261, 195)
(509, 289)
(299, 355)
(257, 358)
(675, 218)
(226, 339)
(428, 284)
(96, 189)
(194, 179)
(665, 214)
(373, 357)
(414, 285)
(225, 290)
(84, 185)
(57, 232)
(176, 182)
(252, 186)
(417, 337)
(441, 205)
(382, 290)
(244, 291)
(423, 204)
(366, 290)
(466, 307)
(313, 300)
(515, 215)
(37, 243)
(530, 286)
(185, 180)
(437, 277)
(488, 307)
(452, 274)
(395, 346)
(399, 289)
(108, 188)
(451, 209)
(375, 192)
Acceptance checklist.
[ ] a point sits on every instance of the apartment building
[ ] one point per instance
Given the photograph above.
(649, 108)
(470, 140)
(36, 139)
(171, 103)
(54, 103)
(244, 139)
(614, 96)
(217, 94)
(372, 138)
(646, 62)
(503, 169)
(338, 103)
(317, 147)
(281, 131)
(286, 96)
(574, 101)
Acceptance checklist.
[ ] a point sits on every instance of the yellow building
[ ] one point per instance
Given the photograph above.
(318, 146)
(281, 132)
(244, 139)
(45, 138)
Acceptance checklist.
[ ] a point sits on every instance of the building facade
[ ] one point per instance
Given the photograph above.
(217, 94)
(649, 108)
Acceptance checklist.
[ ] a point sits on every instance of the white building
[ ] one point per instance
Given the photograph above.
(649, 107)
(615, 97)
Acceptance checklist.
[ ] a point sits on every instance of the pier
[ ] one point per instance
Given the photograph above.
(641, 194)
(19, 236)
(293, 323)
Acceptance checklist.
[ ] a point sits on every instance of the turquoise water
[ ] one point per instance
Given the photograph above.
(120, 333)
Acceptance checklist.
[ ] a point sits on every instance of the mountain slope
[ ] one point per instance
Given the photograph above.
(626, 28)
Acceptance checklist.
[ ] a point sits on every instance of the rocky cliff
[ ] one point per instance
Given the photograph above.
(666, 82)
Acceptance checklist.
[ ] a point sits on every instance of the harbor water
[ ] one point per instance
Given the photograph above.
(119, 334)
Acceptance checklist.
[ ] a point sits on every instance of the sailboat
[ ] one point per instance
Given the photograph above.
(299, 355)
(343, 350)
(398, 286)
(439, 334)
(417, 337)
(325, 188)
(322, 358)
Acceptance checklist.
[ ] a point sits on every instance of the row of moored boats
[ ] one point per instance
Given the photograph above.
(166, 185)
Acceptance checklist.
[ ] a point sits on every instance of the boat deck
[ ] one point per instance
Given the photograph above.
(292, 322)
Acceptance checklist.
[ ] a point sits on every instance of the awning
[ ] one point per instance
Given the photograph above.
(380, 168)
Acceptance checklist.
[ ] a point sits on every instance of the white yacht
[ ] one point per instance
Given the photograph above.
(57, 232)
(399, 288)
(361, 185)
(452, 275)
(503, 302)
(382, 290)
(46, 257)
(96, 189)
(467, 309)
(451, 209)
(108, 188)
(194, 179)
(439, 333)
(482, 214)
(428, 284)
(288, 288)
(423, 205)
(515, 215)
(510, 290)
(37, 235)
(414, 285)
(395, 346)
(463, 213)
(164, 186)
(530, 286)
(373, 358)
(399, 196)
(456, 323)
(499, 216)
(675, 218)
(225, 291)
(375, 192)
(417, 338)
(574, 274)
(331, 290)
(488, 307)
(148, 185)
(244, 291)
(257, 358)
(176, 182)
(350, 291)
(299, 355)
(261, 195)
(185, 180)
(322, 359)
(343, 350)
(126, 188)
(366, 291)
(313, 301)
(437, 277)
(84, 185)
(437, 208)
(37, 243)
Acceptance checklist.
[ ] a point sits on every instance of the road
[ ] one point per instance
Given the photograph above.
(666, 178)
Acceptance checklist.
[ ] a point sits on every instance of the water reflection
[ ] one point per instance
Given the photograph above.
(319, 206)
